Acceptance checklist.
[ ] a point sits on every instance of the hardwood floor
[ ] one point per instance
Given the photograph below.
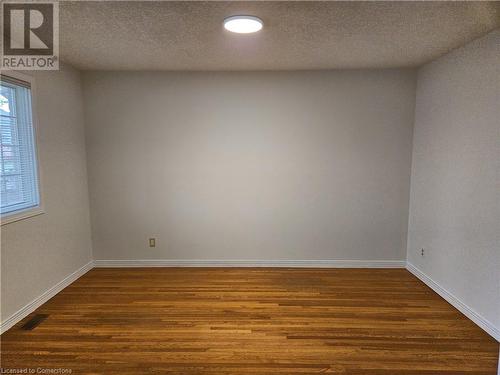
(250, 321)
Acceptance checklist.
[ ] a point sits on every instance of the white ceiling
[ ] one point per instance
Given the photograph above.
(166, 35)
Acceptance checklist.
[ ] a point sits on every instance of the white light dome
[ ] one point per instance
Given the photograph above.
(243, 24)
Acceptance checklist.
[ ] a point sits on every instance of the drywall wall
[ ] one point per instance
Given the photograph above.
(39, 252)
(256, 165)
(455, 196)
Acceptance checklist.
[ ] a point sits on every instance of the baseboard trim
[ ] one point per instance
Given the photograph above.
(462, 307)
(48, 294)
(470, 313)
(252, 263)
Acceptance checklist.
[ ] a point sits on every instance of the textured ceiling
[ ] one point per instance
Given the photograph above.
(165, 35)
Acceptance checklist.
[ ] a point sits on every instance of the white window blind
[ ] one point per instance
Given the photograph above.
(18, 173)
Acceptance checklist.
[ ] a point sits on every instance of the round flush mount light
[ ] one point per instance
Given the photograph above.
(243, 24)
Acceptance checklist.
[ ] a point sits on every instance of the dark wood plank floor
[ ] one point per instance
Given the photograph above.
(251, 321)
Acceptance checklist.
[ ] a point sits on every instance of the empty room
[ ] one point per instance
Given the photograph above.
(250, 187)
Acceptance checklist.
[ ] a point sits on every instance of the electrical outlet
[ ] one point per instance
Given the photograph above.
(422, 251)
(152, 242)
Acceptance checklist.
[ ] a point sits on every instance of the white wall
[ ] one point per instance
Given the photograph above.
(455, 191)
(276, 165)
(40, 251)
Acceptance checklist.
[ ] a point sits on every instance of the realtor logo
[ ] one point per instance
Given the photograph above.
(30, 36)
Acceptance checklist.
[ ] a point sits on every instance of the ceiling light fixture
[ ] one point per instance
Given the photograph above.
(243, 24)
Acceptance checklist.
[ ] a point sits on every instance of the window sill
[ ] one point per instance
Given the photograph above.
(21, 215)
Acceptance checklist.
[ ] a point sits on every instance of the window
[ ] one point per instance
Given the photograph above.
(19, 194)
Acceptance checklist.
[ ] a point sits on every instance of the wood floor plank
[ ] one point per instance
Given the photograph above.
(250, 321)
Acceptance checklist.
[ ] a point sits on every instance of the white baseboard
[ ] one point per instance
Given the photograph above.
(48, 294)
(459, 305)
(252, 263)
(462, 307)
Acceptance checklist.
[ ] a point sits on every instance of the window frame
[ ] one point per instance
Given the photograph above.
(22, 214)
